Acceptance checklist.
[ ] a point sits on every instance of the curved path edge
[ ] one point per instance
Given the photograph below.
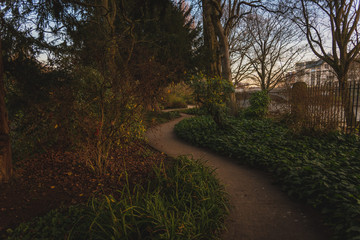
(259, 209)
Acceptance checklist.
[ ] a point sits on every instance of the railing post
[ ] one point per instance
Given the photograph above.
(298, 101)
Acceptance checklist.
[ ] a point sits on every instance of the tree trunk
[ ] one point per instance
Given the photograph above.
(346, 102)
(223, 47)
(210, 39)
(217, 44)
(225, 62)
(5, 144)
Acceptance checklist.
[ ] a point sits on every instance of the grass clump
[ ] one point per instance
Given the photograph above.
(183, 201)
(323, 171)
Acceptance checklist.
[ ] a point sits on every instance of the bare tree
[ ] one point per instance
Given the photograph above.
(274, 46)
(239, 42)
(332, 31)
(219, 18)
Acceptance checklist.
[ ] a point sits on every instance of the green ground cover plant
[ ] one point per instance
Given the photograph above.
(259, 105)
(195, 111)
(181, 201)
(153, 118)
(323, 171)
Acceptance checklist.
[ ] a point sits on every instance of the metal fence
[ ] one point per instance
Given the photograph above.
(327, 105)
(334, 105)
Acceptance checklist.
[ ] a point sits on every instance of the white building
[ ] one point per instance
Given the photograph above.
(318, 72)
(314, 72)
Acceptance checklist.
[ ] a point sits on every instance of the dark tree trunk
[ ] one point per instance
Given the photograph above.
(216, 39)
(5, 145)
(216, 42)
(347, 103)
(211, 43)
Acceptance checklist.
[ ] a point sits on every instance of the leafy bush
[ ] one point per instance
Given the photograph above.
(174, 101)
(324, 172)
(63, 109)
(213, 94)
(178, 95)
(259, 105)
(196, 130)
(106, 118)
(183, 201)
(38, 102)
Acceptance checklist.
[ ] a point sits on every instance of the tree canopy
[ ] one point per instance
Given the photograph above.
(106, 61)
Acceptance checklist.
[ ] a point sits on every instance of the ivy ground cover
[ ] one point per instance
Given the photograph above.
(323, 171)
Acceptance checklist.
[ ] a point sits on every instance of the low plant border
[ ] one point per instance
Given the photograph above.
(183, 201)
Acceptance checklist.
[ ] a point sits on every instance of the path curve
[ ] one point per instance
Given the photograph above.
(260, 210)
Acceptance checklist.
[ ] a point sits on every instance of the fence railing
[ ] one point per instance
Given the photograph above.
(329, 105)
(334, 105)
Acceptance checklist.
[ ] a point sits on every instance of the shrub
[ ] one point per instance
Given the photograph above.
(77, 110)
(213, 94)
(196, 130)
(259, 105)
(174, 101)
(178, 96)
(40, 108)
(106, 117)
(183, 201)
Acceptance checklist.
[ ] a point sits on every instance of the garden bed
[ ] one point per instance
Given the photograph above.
(143, 195)
(323, 171)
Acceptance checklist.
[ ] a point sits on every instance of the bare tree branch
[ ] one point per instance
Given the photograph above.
(273, 48)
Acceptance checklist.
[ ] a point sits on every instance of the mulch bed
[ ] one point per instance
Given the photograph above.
(60, 178)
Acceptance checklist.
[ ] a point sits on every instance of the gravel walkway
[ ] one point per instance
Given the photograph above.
(260, 210)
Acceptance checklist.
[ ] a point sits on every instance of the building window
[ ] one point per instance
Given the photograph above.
(312, 77)
(330, 77)
(318, 76)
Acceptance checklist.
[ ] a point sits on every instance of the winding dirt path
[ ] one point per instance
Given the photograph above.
(260, 210)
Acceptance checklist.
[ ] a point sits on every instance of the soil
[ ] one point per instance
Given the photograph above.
(60, 178)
